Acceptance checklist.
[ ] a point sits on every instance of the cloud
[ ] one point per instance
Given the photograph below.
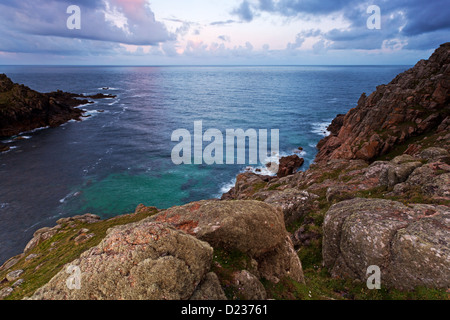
(219, 23)
(244, 11)
(407, 20)
(295, 7)
(224, 38)
(121, 21)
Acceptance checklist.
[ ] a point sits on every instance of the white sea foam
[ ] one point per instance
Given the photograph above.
(227, 187)
(70, 195)
(114, 102)
(333, 100)
(320, 128)
(85, 105)
(34, 130)
(88, 114)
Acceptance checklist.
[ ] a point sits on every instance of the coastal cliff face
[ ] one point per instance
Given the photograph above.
(414, 103)
(378, 194)
(23, 109)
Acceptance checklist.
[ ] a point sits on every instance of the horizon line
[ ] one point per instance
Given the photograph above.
(206, 65)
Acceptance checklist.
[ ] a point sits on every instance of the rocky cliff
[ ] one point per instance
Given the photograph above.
(23, 109)
(414, 103)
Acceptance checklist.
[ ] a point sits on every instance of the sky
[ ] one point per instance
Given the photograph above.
(221, 32)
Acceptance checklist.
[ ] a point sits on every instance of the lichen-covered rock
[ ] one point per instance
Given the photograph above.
(209, 289)
(5, 292)
(14, 275)
(432, 180)
(294, 203)
(396, 171)
(421, 252)
(281, 262)
(251, 227)
(434, 154)
(359, 233)
(247, 184)
(40, 236)
(85, 218)
(248, 286)
(143, 260)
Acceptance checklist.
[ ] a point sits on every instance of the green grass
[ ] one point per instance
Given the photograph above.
(225, 264)
(59, 250)
(319, 285)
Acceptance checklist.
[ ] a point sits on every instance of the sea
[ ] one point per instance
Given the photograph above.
(119, 155)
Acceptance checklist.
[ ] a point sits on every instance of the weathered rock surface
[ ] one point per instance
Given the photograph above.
(209, 289)
(250, 227)
(249, 286)
(408, 243)
(294, 203)
(144, 260)
(14, 275)
(45, 233)
(246, 185)
(415, 102)
(289, 165)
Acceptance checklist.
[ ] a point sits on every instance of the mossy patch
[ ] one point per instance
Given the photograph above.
(225, 264)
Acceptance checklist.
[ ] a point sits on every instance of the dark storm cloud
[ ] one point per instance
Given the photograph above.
(422, 24)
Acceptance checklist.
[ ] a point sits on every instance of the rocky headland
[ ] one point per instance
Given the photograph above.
(378, 194)
(23, 109)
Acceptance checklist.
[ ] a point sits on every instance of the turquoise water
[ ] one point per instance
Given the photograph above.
(121, 155)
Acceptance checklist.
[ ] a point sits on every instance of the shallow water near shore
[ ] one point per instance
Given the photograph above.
(120, 154)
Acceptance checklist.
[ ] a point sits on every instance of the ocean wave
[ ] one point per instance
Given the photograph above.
(70, 195)
(332, 100)
(34, 130)
(88, 114)
(11, 148)
(114, 102)
(321, 128)
(86, 104)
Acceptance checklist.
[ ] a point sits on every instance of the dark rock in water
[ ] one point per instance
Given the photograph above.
(3, 147)
(23, 109)
(414, 103)
(288, 165)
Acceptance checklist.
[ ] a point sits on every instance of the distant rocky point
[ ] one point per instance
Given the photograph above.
(23, 109)
(416, 102)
